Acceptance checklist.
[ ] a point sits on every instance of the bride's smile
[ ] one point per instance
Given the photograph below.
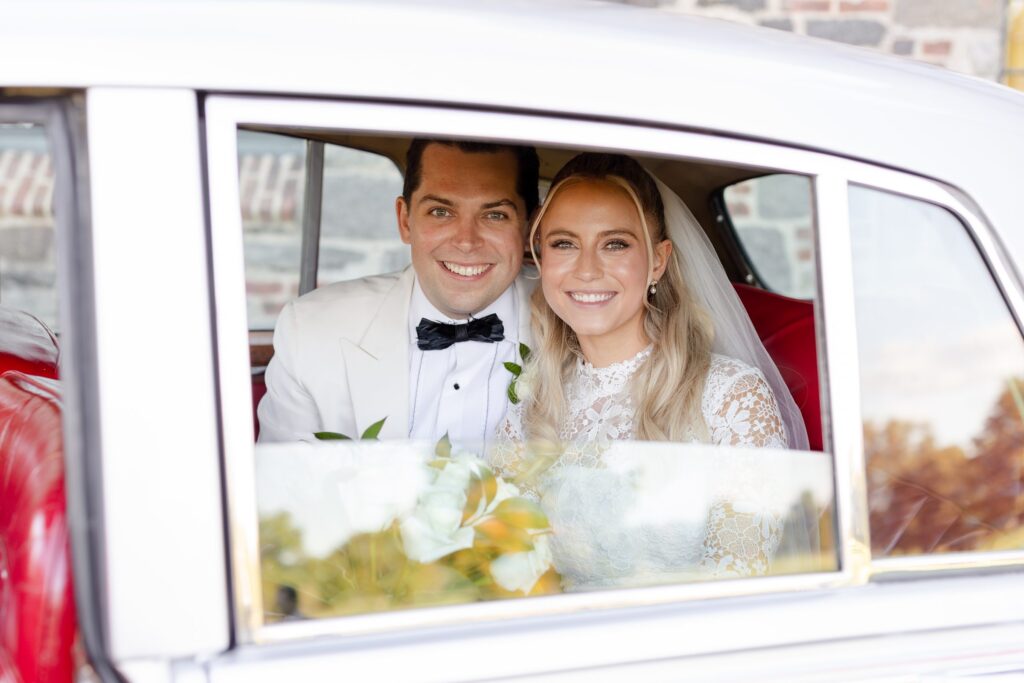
(591, 298)
(595, 267)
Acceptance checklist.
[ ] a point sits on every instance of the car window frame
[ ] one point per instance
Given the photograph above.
(834, 320)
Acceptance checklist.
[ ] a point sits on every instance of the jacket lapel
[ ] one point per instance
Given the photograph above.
(378, 365)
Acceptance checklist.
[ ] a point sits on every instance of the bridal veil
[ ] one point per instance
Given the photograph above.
(734, 333)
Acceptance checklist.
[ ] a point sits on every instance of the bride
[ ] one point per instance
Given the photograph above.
(638, 336)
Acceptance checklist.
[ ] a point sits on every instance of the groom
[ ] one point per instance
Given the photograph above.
(424, 347)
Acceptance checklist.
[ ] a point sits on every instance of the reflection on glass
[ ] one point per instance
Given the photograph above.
(356, 527)
(773, 216)
(272, 176)
(28, 270)
(359, 231)
(941, 364)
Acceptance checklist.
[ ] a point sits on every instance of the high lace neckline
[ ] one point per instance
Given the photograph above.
(611, 378)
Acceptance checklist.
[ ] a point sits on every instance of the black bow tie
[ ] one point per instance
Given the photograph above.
(431, 335)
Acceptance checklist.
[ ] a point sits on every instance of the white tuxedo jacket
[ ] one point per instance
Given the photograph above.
(341, 359)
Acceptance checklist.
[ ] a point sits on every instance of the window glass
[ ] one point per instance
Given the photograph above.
(27, 255)
(271, 177)
(773, 217)
(359, 231)
(360, 526)
(356, 527)
(942, 381)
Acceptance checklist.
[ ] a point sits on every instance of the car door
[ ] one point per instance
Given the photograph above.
(820, 611)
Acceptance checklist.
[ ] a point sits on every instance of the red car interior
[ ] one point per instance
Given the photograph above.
(786, 327)
(37, 609)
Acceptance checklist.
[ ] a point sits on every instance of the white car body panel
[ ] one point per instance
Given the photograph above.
(568, 72)
(163, 522)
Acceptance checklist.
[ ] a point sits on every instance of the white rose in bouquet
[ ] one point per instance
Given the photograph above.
(434, 528)
(467, 502)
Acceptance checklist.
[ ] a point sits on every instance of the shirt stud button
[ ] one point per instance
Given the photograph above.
(456, 386)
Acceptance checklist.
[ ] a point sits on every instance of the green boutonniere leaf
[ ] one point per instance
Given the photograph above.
(524, 352)
(515, 368)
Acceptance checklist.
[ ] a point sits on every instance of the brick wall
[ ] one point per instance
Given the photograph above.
(963, 35)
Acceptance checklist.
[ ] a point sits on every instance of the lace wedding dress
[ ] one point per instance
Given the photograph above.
(598, 541)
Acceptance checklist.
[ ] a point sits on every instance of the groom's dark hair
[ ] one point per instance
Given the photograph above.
(527, 166)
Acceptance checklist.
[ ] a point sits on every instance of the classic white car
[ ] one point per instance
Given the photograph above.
(172, 172)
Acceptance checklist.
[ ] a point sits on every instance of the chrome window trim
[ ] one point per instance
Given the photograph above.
(312, 207)
(837, 326)
(225, 113)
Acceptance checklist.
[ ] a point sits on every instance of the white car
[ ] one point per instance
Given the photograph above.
(172, 172)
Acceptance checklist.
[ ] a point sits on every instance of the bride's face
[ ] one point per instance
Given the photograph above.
(594, 267)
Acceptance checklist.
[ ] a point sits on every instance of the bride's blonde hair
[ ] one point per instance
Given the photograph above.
(667, 388)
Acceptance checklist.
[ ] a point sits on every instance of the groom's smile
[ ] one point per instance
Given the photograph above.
(464, 224)
(466, 271)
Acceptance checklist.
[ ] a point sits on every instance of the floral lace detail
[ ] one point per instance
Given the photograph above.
(600, 406)
(739, 407)
(587, 502)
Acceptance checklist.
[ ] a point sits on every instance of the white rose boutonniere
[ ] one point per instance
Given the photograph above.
(516, 388)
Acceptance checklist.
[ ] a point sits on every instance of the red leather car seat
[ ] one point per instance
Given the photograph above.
(37, 609)
(786, 327)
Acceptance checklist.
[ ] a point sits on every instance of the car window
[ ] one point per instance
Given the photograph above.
(942, 366)
(358, 527)
(352, 526)
(772, 219)
(357, 230)
(27, 253)
(34, 529)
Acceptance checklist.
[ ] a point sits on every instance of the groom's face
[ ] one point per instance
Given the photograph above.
(465, 225)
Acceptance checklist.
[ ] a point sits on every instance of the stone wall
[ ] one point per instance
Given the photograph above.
(963, 35)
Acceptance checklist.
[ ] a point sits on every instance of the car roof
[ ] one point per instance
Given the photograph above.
(592, 59)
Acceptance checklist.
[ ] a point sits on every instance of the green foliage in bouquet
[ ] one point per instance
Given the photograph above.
(372, 432)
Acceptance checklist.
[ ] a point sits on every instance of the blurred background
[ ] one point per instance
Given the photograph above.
(982, 38)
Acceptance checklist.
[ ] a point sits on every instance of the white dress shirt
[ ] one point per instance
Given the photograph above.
(461, 390)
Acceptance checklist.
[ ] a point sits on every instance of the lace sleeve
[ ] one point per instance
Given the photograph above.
(741, 409)
(742, 532)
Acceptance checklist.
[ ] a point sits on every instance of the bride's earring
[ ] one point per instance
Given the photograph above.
(653, 289)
